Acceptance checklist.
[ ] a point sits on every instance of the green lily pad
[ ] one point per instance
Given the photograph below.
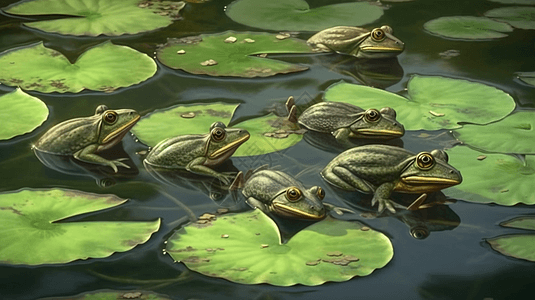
(519, 17)
(296, 15)
(467, 28)
(518, 245)
(526, 2)
(527, 222)
(514, 134)
(527, 77)
(209, 54)
(433, 102)
(114, 295)
(20, 113)
(31, 234)
(96, 17)
(246, 248)
(497, 178)
(105, 67)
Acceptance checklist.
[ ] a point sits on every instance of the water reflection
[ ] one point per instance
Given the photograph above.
(327, 142)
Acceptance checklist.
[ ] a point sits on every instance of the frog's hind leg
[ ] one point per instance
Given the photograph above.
(343, 178)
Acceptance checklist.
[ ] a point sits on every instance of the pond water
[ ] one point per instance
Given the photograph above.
(453, 262)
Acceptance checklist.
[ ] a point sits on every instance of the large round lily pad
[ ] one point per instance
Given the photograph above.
(216, 55)
(32, 234)
(20, 113)
(467, 28)
(514, 134)
(497, 178)
(527, 77)
(96, 17)
(518, 245)
(105, 67)
(434, 102)
(296, 15)
(519, 17)
(246, 248)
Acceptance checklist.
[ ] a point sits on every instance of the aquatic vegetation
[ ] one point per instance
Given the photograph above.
(246, 248)
(526, 2)
(527, 77)
(467, 28)
(519, 17)
(520, 246)
(20, 113)
(113, 295)
(33, 233)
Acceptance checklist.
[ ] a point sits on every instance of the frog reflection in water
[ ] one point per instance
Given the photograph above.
(359, 42)
(197, 153)
(381, 169)
(84, 137)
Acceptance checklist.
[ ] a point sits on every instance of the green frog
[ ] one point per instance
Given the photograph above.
(382, 169)
(359, 42)
(84, 137)
(198, 153)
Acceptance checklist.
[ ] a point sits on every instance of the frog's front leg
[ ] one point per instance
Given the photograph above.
(382, 195)
(254, 203)
(342, 135)
(87, 154)
(344, 179)
(196, 166)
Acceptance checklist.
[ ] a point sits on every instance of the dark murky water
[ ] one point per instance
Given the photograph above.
(454, 262)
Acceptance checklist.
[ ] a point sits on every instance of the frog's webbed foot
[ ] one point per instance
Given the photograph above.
(382, 195)
(292, 110)
(418, 202)
(117, 163)
(338, 210)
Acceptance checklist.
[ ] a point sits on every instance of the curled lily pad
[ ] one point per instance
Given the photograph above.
(527, 77)
(33, 233)
(433, 102)
(297, 15)
(519, 17)
(497, 178)
(216, 55)
(518, 245)
(246, 248)
(20, 113)
(105, 67)
(96, 17)
(467, 28)
(514, 134)
(113, 295)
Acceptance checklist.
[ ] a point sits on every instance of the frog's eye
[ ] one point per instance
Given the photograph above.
(419, 233)
(372, 115)
(378, 34)
(110, 117)
(321, 193)
(218, 134)
(425, 161)
(293, 194)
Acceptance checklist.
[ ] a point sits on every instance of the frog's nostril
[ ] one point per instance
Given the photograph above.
(451, 172)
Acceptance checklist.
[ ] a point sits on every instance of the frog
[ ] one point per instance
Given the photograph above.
(84, 137)
(199, 153)
(276, 192)
(383, 169)
(358, 42)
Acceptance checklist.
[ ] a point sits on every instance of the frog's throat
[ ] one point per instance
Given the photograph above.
(121, 130)
(380, 49)
(420, 184)
(229, 147)
(292, 212)
(378, 132)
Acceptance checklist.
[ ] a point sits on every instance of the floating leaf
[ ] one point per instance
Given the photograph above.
(251, 253)
(20, 113)
(526, 2)
(519, 17)
(518, 245)
(296, 15)
(520, 223)
(96, 17)
(499, 178)
(469, 28)
(215, 55)
(434, 102)
(105, 67)
(31, 234)
(514, 134)
(527, 77)
(113, 295)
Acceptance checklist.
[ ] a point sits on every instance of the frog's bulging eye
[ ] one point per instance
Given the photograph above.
(425, 161)
(378, 34)
(110, 117)
(372, 115)
(321, 193)
(293, 194)
(218, 134)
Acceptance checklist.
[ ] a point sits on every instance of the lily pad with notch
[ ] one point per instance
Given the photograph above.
(520, 246)
(519, 17)
(20, 113)
(467, 28)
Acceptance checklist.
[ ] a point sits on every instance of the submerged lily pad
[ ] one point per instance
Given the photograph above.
(246, 248)
(298, 16)
(96, 17)
(20, 113)
(469, 28)
(527, 77)
(514, 134)
(497, 178)
(232, 54)
(113, 295)
(518, 245)
(519, 17)
(433, 102)
(105, 67)
(32, 234)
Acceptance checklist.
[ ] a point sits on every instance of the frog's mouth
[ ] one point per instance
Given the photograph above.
(380, 49)
(121, 130)
(291, 212)
(231, 147)
(420, 184)
(373, 133)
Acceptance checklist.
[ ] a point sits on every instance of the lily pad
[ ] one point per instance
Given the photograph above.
(105, 67)
(20, 113)
(246, 248)
(518, 129)
(518, 245)
(433, 102)
(113, 295)
(467, 28)
(96, 17)
(31, 233)
(296, 15)
(527, 77)
(216, 55)
(527, 222)
(497, 178)
(519, 17)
